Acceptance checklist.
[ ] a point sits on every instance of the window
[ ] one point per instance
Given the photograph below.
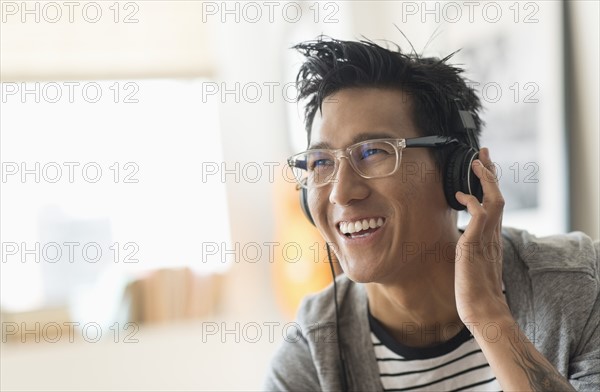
(102, 180)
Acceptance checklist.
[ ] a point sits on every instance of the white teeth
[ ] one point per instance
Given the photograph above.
(355, 227)
(351, 228)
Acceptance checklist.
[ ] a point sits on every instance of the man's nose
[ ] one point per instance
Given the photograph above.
(347, 185)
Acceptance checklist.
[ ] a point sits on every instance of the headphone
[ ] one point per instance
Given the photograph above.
(457, 172)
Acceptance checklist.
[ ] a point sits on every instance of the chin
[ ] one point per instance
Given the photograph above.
(359, 279)
(360, 275)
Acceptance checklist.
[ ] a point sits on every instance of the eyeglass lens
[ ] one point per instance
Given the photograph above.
(370, 160)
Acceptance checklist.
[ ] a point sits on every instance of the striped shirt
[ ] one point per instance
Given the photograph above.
(458, 364)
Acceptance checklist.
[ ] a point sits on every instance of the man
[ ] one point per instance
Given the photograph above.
(423, 305)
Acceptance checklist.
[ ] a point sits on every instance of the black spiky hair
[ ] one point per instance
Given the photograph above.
(430, 84)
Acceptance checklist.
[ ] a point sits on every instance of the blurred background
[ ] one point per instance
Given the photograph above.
(151, 235)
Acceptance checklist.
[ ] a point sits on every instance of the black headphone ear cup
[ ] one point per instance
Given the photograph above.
(304, 205)
(460, 177)
(451, 176)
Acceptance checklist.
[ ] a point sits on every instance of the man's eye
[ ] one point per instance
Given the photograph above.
(372, 151)
(320, 163)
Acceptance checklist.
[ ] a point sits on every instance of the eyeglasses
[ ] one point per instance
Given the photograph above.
(374, 158)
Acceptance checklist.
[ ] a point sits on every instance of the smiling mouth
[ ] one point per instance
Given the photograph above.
(361, 228)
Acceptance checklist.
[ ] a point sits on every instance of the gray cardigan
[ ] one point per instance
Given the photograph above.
(552, 288)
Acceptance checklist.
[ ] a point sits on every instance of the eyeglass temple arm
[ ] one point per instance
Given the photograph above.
(430, 141)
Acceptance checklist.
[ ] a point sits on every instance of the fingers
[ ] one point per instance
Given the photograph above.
(478, 214)
(493, 201)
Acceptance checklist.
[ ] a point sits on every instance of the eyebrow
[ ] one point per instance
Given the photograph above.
(361, 137)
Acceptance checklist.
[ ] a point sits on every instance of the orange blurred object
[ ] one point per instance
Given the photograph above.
(300, 264)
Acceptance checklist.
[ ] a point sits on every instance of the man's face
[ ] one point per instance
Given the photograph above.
(410, 202)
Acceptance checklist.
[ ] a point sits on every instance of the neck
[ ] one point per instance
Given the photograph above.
(417, 305)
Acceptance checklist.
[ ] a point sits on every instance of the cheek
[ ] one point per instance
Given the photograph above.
(424, 180)
(416, 195)
(403, 191)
